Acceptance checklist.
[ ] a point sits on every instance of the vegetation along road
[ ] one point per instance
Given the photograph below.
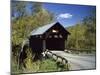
(78, 62)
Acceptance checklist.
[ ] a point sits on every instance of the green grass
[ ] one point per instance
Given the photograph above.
(44, 65)
(47, 65)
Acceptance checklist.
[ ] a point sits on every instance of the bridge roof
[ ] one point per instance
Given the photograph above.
(43, 29)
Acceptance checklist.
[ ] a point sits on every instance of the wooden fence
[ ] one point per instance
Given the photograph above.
(57, 57)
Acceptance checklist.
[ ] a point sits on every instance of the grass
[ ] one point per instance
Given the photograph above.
(47, 65)
(30, 66)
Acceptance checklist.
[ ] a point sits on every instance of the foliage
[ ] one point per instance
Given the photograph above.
(83, 34)
(23, 22)
(46, 65)
(30, 66)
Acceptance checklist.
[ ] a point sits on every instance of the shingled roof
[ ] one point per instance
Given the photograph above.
(43, 29)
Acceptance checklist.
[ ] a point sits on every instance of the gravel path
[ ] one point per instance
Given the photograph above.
(78, 62)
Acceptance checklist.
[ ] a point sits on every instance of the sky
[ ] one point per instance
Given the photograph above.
(68, 14)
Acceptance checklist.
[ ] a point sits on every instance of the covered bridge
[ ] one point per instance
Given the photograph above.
(51, 37)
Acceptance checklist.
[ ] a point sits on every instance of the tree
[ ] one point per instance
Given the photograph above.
(83, 34)
(23, 24)
(18, 8)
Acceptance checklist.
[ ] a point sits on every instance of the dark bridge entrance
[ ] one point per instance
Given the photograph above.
(55, 44)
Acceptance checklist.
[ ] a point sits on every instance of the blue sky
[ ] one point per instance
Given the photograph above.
(68, 14)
